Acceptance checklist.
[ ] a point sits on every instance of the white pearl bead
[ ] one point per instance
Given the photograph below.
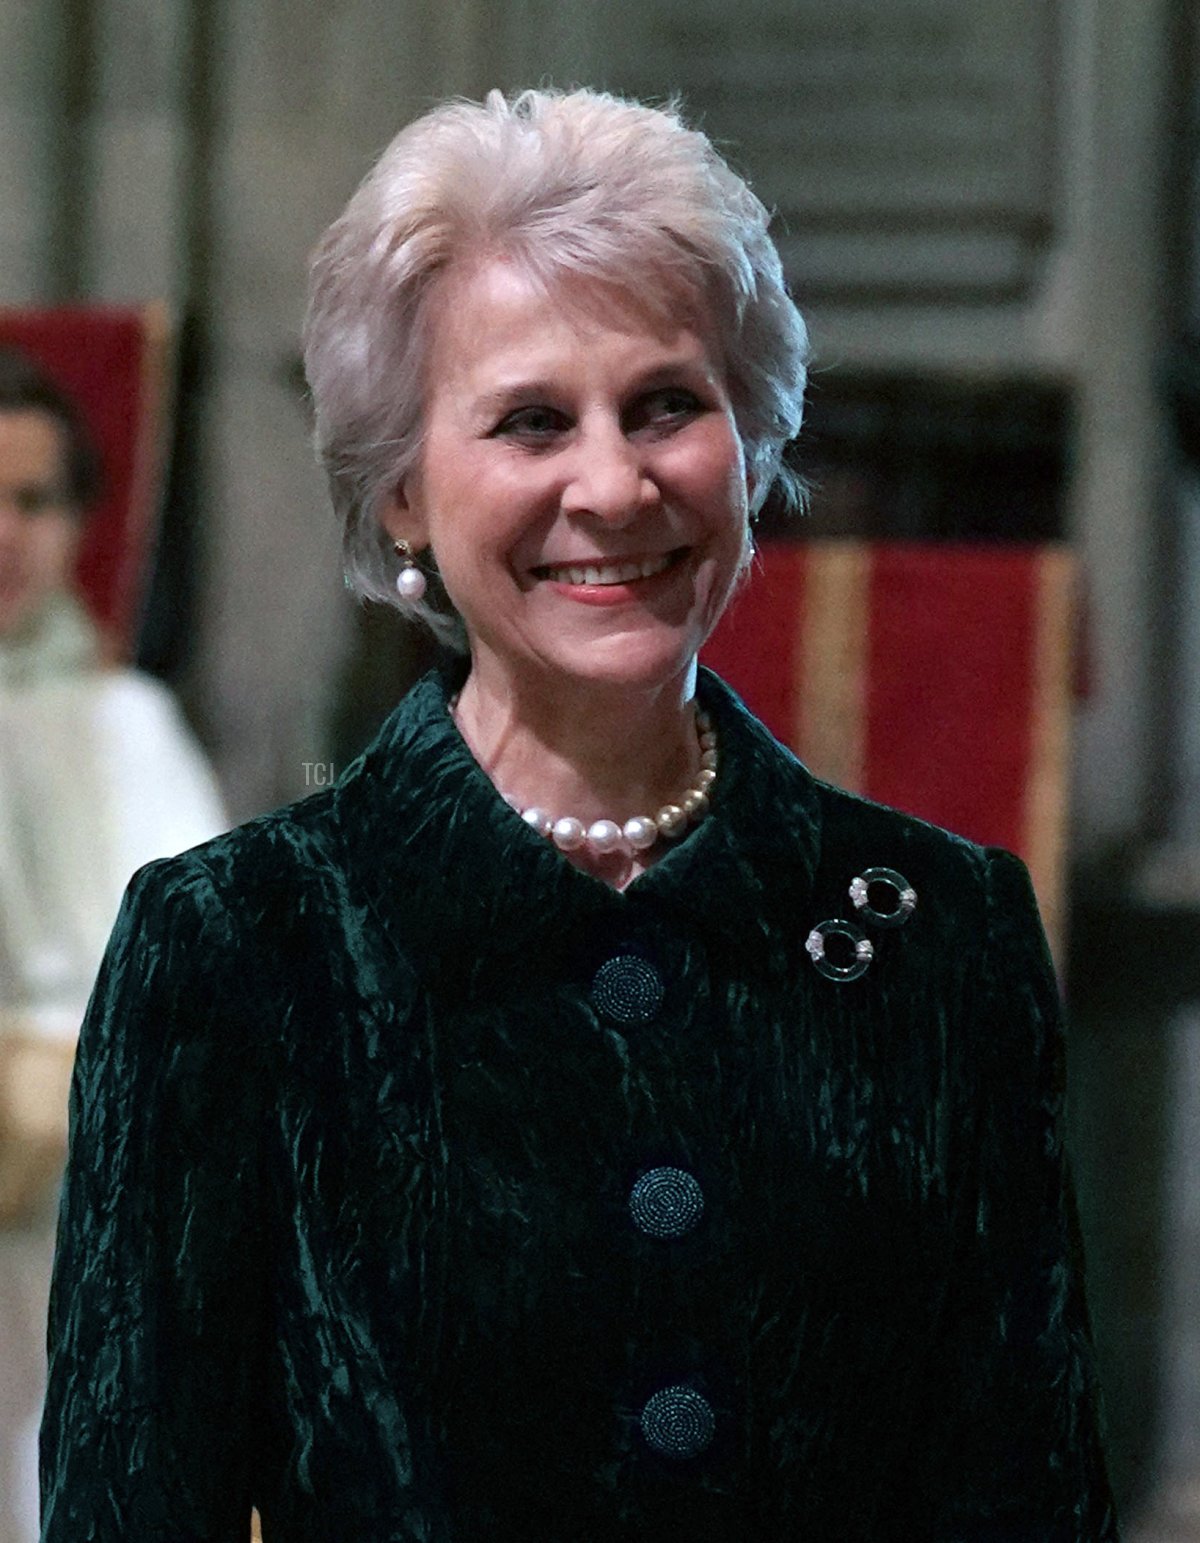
(604, 835)
(694, 803)
(641, 832)
(410, 583)
(670, 820)
(705, 779)
(708, 760)
(568, 833)
(538, 819)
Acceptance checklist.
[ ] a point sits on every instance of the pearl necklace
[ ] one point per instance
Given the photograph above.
(641, 831)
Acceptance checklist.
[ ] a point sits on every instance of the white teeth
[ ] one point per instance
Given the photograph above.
(608, 573)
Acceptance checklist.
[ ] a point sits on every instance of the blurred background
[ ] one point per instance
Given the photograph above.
(990, 214)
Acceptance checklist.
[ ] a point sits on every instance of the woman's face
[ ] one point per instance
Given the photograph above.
(582, 484)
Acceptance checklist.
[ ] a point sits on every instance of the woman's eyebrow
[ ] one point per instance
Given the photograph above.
(670, 370)
(539, 388)
(513, 392)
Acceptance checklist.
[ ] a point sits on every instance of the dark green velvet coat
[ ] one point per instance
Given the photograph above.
(346, 1229)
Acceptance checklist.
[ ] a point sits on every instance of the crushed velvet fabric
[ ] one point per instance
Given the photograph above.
(346, 1230)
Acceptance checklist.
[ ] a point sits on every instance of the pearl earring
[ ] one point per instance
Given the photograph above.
(410, 581)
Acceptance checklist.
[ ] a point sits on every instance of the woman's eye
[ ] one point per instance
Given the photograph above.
(537, 422)
(677, 400)
(667, 405)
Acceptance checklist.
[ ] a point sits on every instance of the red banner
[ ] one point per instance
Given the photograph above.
(934, 678)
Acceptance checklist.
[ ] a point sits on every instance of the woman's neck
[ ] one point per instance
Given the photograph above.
(593, 753)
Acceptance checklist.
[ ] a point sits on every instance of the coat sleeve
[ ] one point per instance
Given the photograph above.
(1013, 1451)
(156, 1303)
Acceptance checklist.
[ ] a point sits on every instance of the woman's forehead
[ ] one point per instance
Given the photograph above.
(498, 303)
(643, 299)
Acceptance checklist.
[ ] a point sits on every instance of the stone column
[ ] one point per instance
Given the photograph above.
(1117, 314)
(136, 200)
(1172, 1512)
(29, 137)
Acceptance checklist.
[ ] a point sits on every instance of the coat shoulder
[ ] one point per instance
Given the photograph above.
(287, 842)
(960, 884)
(850, 822)
(274, 872)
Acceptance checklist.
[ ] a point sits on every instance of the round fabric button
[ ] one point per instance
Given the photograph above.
(627, 989)
(896, 898)
(678, 1422)
(666, 1203)
(852, 950)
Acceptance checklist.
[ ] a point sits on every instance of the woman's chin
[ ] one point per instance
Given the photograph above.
(567, 647)
(632, 661)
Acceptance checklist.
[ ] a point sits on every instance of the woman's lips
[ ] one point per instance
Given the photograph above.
(629, 582)
(609, 572)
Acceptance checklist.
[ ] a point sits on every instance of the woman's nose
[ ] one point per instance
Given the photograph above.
(608, 478)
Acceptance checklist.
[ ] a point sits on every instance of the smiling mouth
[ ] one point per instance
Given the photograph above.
(611, 572)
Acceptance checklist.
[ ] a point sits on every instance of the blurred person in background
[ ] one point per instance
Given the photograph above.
(98, 775)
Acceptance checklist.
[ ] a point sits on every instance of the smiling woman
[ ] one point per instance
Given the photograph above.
(533, 1137)
(592, 367)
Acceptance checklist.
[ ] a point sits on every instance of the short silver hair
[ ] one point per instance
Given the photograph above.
(567, 184)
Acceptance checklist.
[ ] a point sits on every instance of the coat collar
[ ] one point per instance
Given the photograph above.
(456, 881)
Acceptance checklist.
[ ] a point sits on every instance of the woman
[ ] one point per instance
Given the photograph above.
(539, 1135)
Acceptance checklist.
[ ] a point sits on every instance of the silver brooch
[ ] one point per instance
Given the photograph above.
(896, 897)
(855, 948)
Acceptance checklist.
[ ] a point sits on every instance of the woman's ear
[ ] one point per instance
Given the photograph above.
(403, 519)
